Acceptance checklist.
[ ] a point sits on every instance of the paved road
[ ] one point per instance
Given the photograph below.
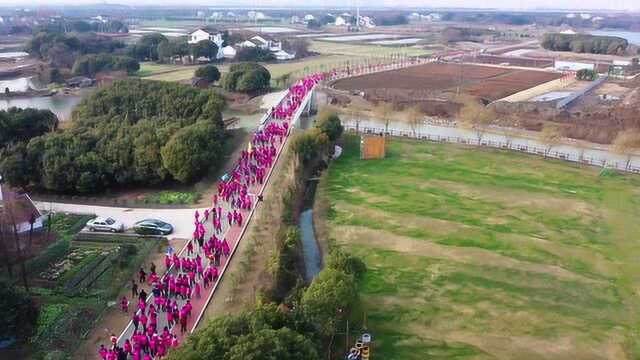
(181, 219)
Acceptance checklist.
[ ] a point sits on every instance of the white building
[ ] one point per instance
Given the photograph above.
(572, 66)
(262, 43)
(228, 52)
(568, 32)
(340, 21)
(366, 21)
(201, 34)
(256, 15)
(309, 17)
(282, 55)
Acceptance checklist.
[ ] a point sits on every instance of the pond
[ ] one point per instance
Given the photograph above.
(61, 105)
(21, 84)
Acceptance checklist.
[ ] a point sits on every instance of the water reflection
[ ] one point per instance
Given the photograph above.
(61, 105)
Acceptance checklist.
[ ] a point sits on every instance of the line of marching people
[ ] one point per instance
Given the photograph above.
(171, 294)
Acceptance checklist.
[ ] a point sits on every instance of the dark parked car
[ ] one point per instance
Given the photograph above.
(152, 227)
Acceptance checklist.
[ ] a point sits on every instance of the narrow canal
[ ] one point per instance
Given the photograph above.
(310, 248)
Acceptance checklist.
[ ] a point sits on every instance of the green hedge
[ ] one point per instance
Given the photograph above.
(111, 239)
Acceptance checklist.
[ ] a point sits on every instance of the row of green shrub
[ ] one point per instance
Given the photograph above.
(300, 330)
(111, 239)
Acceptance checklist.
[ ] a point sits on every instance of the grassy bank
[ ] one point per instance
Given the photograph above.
(480, 253)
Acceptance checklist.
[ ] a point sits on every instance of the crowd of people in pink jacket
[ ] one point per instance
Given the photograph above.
(199, 267)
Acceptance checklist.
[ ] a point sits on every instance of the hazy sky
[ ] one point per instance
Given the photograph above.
(504, 4)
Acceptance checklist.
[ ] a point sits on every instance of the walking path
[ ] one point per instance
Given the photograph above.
(239, 194)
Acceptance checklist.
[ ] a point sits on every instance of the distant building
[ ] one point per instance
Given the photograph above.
(229, 52)
(262, 42)
(340, 21)
(309, 17)
(201, 34)
(366, 21)
(256, 15)
(572, 66)
(282, 55)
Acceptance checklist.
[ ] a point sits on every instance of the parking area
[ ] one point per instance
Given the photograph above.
(181, 219)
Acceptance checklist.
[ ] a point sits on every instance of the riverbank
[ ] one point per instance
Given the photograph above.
(26, 94)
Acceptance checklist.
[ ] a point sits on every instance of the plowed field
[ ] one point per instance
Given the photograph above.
(486, 82)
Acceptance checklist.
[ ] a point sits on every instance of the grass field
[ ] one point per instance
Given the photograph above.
(296, 68)
(480, 253)
(151, 68)
(326, 47)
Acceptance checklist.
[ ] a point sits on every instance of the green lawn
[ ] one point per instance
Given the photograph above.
(151, 68)
(361, 50)
(480, 253)
(296, 68)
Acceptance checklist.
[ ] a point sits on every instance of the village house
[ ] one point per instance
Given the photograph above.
(202, 34)
(19, 209)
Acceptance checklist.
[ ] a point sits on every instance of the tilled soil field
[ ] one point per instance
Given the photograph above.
(486, 82)
(511, 60)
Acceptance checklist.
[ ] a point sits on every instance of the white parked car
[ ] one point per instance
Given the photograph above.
(105, 224)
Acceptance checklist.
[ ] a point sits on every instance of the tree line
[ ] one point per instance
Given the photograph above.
(584, 43)
(131, 132)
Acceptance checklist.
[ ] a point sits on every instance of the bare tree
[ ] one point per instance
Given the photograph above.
(384, 111)
(415, 116)
(355, 112)
(550, 136)
(627, 143)
(511, 122)
(9, 209)
(477, 117)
